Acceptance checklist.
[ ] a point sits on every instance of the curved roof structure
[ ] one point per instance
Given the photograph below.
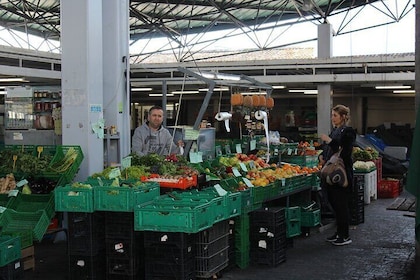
(175, 20)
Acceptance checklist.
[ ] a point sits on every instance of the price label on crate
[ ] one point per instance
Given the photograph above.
(227, 149)
(236, 172)
(247, 182)
(243, 166)
(238, 148)
(115, 172)
(218, 151)
(252, 145)
(126, 162)
(196, 157)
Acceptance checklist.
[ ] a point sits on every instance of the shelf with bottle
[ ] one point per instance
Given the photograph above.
(45, 103)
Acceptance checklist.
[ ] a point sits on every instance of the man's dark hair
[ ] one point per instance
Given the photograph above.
(155, 107)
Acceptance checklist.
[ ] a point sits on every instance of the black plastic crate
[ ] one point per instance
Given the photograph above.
(268, 216)
(124, 277)
(211, 248)
(123, 266)
(260, 231)
(215, 232)
(119, 224)
(169, 254)
(269, 244)
(268, 257)
(175, 239)
(12, 271)
(87, 267)
(86, 233)
(157, 270)
(124, 247)
(206, 267)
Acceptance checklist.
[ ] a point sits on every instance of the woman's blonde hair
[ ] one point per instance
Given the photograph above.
(343, 111)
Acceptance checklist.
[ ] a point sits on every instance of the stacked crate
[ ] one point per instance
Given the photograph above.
(231, 241)
(169, 255)
(268, 236)
(10, 254)
(212, 250)
(124, 247)
(242, 243)
(357, 201)
(86, 250)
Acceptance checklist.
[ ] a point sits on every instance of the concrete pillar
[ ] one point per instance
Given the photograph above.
(82, 80)
(116, 70)
(324, 101)
(95, 70)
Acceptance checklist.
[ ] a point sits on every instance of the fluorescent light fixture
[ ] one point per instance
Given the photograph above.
(219, 76)
(3, 92)
(310, 91)
(160, 94)
(392, 87)
(141, 89)
(12, 80)
(185, 92)
(215, 89)
(405, 91)
(296, 90)
(279, 87)
(2, 87)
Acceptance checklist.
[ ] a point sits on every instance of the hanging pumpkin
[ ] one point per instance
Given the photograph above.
(269, 102)
(236, 99)
(248, 102)
(262, 101)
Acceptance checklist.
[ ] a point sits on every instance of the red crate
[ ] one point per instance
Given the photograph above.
(378, 164)
(388, 188)
(181, 183)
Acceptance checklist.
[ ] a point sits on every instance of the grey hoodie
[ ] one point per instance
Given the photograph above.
(146, 141)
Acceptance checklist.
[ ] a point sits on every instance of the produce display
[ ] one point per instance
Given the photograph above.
(364, 154)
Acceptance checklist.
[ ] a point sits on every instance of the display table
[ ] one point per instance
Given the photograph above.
(370, 184)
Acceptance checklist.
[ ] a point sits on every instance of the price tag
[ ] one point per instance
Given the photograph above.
(243, 166)
(236, 172)
(191, 134)
(296, 151)
(21, 183)
(247, 182)
(220, 190)
(115, 172)
(126, 162)
(227, 149)
(218, 150)
(100, 182)
(252, 145)
(13, 193)
(2, 209)
(196, 157)
(251, 164)
(238, 148)
(283, 182)
(289, 151)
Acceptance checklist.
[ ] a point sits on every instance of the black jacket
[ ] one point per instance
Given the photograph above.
(344, 137)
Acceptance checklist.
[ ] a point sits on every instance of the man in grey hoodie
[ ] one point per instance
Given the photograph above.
(152, 137)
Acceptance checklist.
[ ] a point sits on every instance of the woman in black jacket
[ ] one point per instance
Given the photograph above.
(342, 136)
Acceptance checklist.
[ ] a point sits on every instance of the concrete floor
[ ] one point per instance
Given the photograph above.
(383, 248)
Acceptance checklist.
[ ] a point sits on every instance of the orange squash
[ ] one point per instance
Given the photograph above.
(236, 99)
(248, 102)
(255, 100)
(262, 101)
(270, 102)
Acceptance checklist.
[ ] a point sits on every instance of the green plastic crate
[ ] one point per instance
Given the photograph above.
(293, 213)
(10, 249)
(33, 202)
(67, 176)
(26, 238)
(72, 199)
(124, 199)
(189, 219)
(37, 222)
(4, 200)
(311, 218)
(293, 228)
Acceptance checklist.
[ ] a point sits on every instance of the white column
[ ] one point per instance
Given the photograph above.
(82, 79)
(116, 70)
(324, 100)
